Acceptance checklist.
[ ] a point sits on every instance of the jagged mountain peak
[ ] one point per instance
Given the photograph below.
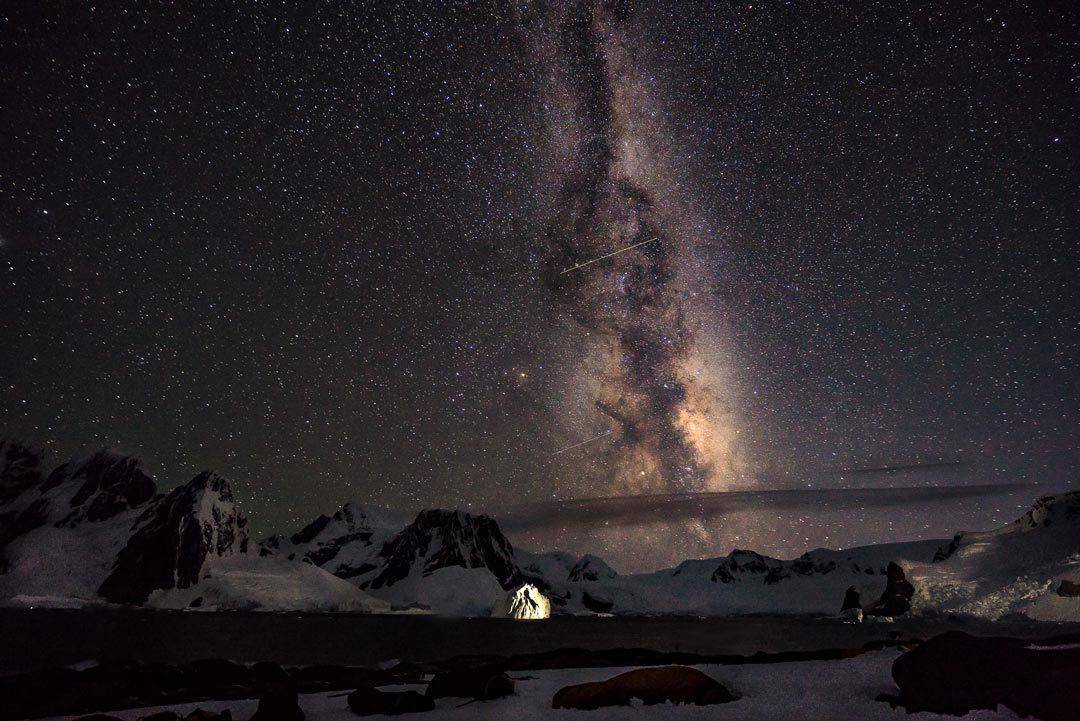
(105, 484)
(440, 538)
(174, 537)
(591, 568)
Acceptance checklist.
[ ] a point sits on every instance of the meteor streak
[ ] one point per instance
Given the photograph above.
(568, 448)
(616, 252)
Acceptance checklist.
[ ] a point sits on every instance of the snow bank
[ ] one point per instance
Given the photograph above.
(250, 583)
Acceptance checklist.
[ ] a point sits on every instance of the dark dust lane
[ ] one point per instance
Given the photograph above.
(41, 638)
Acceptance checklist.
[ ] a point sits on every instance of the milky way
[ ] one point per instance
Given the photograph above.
(612, 194)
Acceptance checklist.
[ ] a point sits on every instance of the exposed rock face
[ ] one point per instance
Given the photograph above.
(523, 603)
(1069, 589)
(110, 483)
(741, 563)
(75, 495)
(955, 673)
(173, 538)
(666, 684)
(851, 599)
(20, 469)
(345, 544)
(440, 539)
(896, 599)
(591, 568)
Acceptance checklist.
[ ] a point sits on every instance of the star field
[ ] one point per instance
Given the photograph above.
(318, 250)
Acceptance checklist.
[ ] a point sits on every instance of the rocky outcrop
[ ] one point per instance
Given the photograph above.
(109, 483)
(440, 539)
(852, 599)
(345, 544)
(278, 696)
(591, 568)
(20, 469)
(666, 684)
(955, 673)
(896, 598)
(480, 682)
(77, 494)
(173, 538)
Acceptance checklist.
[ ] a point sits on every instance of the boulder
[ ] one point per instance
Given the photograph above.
(955, 673)
(278, 699)
(1069, 589)
(896, 598)
(666, 684)
(370, 701)
(482, 683)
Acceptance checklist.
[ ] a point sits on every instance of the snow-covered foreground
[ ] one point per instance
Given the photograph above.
(808, 691)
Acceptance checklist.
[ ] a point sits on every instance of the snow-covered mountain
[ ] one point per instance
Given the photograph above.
(61, 534)
(346, 544)
(455, 563)
(97, 530)
(174, 537)
(1030, 567)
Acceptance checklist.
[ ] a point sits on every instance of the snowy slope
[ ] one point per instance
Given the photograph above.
(252, 583)
(65, 531)
(1018, 568)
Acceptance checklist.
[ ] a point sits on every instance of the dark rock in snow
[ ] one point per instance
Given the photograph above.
(369, 701)
(98, 717)
(482, 683)
(596, 605)
(20, 469)
(666, 684)
(308, 533)
(201, 715)
(1068, 589)
(173, 537)
(278, 699)
(851, 599)
(896, 598)
(955, 673)
(945, 551)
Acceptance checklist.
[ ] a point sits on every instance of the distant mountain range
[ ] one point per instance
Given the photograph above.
(98, 531)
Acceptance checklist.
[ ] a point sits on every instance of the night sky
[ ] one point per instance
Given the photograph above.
(359, 252)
